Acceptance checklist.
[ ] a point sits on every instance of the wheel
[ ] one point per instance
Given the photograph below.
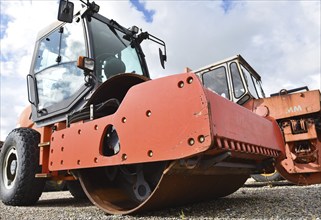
(271, 177)
(76, 190)
(19, 163)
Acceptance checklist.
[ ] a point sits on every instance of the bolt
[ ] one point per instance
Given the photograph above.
(191, 141)
(201, 138)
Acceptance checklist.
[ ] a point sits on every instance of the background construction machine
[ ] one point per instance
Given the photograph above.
(138, 144)
(296, 111)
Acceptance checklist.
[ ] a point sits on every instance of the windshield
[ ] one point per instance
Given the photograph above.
(113, 54)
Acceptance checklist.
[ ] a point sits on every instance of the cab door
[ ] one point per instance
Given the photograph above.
(57, 81)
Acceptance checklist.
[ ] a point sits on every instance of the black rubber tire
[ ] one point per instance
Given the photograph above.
(267, 178)
(25, 189)
(1, 144)
(76, 190)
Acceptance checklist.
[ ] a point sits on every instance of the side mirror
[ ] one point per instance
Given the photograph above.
(66, 11)
(162, 58)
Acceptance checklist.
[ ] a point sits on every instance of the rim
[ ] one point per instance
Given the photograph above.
(10, 167)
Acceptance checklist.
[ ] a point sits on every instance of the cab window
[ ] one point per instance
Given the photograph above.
(249, 81)
(113, 53)
(56, 72)
(216, 80)
(258, 87)
(238, 87)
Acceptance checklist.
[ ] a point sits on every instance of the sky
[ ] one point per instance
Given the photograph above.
(280, 39)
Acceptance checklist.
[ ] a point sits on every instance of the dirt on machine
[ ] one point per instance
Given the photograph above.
(136, 144)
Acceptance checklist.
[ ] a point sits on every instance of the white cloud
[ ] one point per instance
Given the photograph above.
(26, 18)
(281, 39)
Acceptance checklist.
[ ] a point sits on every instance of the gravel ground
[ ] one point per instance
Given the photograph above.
(254, 201)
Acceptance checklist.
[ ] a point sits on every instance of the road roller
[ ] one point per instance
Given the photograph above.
(132, 144)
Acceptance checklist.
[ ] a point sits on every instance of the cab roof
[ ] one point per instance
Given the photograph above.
(236, 57)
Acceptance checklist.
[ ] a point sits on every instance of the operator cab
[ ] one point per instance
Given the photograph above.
(116, 56)
(57, 83)
(233, 79)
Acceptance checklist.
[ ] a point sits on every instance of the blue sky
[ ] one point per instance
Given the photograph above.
(4, 19)
(3, 22)
(141, 6)
(227, 5)
(280, 39)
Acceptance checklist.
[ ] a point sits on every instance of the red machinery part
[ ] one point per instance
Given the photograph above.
(186, 145)
(299, 117)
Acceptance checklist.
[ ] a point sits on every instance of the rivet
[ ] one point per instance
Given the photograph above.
(63, 136)
(180, 84)
(95, 159)
(61, 162)
(79, 131)
(189, 80)
(148, 113)
(124, 156)
(191, 141)
(96, 127)
(124, 119)
(201, 138)
(78, 162)
(150, 153)
(62, 149)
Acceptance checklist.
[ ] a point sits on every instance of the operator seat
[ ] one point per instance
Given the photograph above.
(114, 66)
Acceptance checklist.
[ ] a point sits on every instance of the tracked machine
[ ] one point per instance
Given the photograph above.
(137, 144)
